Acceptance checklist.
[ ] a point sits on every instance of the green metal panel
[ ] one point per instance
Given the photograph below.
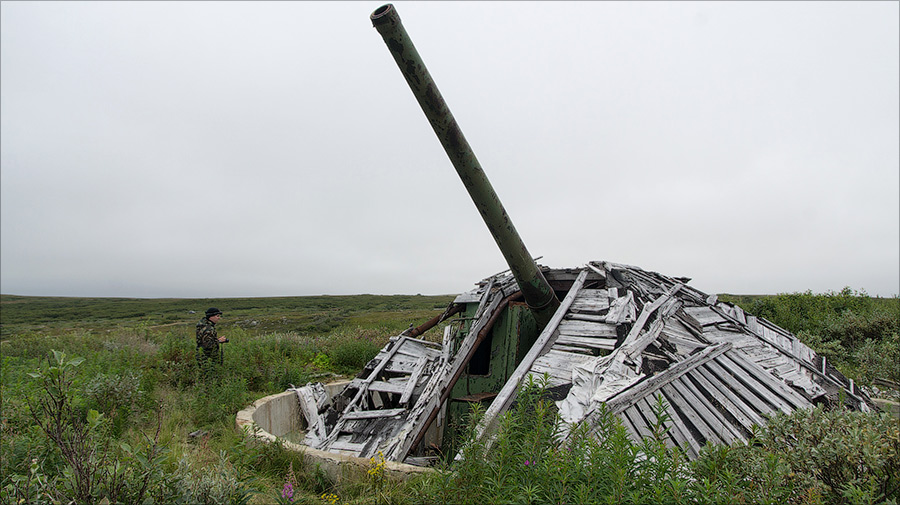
(509, 340)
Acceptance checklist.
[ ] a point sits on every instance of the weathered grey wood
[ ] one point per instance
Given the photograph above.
(310, 409)
(363, 390)
(633, 432)
(347, 446)
(552, 381)
(642, 319)
(588, 351)
(720, 429)
(587, 329)
(544, 341)
(731, 432)
(592, 342)
(704, 316)
(369, 414)
(748, 395)
(674, 428)
(634, 417)
(387, 387)
(446, 344)
(737, 407)
(643, 340)
(540, 367)
(430, 399)
(622, 309)
(599, 270)
(679, 341)
(575, 315)
(778, 386)
(483, 303)
(626, 397)
(374, 375)
(688, 414)
(756, 385)
(413, 381)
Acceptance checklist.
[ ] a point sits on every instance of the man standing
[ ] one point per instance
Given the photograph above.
(208, 340)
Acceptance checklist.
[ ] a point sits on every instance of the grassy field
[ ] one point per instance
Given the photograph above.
(100, 396)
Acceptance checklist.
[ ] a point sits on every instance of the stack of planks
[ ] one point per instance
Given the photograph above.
(629, 342)
(717, 370)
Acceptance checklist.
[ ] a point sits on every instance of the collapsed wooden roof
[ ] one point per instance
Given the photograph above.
(621, 336)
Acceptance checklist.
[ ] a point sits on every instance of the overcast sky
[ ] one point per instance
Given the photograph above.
(223, 149)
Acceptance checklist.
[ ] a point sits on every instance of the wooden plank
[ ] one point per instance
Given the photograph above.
(370, 414)
(731, 432)
(573, 349)
(622, 309)
(633, 433)
(673, 427)
(640, 425)
(780, 387)
(432, 397)
(310, 409)
(413, 381)
(678, 341)
(382, 386)
(340, 445)
(722, 394)
(642, 341)
(720, 431)
(592, 342)
(748, 395)
(587, 329)
(689, 414)
(754, 383)
(539, 369)
(623, 399)
(574, 315)
(553, 381)
(649, 309)
(704, 315)
(363, 390)
(545, 340)
(374, 375)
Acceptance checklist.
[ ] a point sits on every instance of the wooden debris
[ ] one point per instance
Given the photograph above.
(623, 341)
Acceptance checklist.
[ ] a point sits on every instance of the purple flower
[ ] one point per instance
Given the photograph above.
(288, 492)
(527, 462)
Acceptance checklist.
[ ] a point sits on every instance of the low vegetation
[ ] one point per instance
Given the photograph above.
(102, 402)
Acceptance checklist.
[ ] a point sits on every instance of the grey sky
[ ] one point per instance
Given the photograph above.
(207, 149)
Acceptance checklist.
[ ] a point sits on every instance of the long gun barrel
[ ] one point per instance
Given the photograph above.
(535, 289)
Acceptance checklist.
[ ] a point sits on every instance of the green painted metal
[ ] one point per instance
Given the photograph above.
(507, 343)
(537, 291)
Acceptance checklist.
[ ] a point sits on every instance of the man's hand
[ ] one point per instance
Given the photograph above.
(223, 340)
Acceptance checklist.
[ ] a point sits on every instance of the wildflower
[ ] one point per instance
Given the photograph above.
(527, 462)
(288, 492)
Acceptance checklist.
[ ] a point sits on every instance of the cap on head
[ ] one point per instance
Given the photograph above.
(212, 311)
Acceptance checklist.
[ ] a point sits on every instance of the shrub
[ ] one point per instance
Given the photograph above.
(352, 354)
(115, 395)
(846, 452)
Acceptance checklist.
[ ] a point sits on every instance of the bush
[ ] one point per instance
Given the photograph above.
(115, 395)
(811, 456)
(351, 354)
(849, 454)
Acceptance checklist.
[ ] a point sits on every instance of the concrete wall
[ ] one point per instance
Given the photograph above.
(274, 416)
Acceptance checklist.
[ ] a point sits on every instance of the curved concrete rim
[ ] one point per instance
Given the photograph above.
(258, 420)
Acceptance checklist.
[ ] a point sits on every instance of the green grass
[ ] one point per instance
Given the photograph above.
(139, 374)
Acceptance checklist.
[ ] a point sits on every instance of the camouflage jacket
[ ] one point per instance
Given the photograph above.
(207, 339)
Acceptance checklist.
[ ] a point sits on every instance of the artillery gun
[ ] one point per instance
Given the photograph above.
(620, 337)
